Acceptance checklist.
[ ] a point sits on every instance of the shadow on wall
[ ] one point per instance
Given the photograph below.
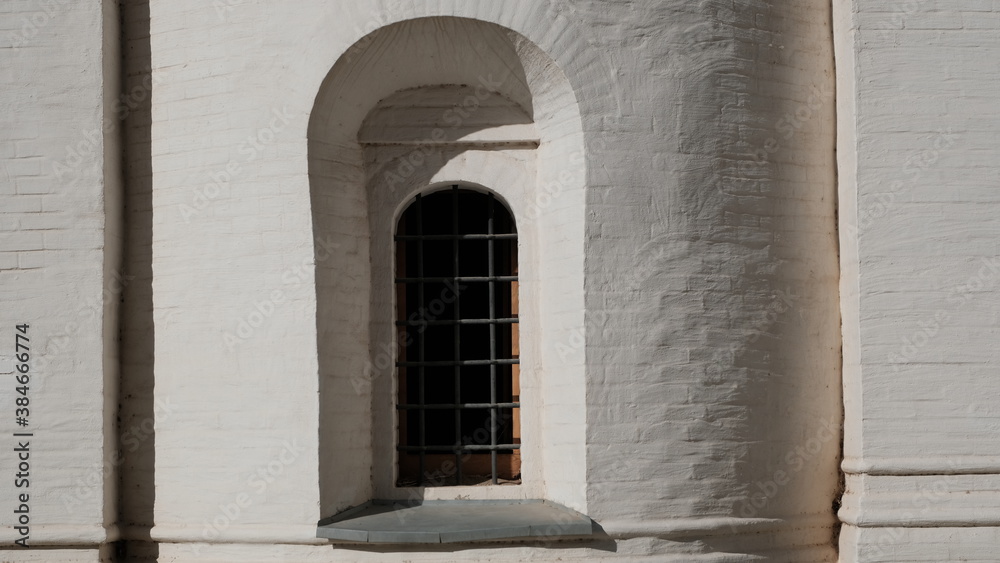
(753, 229)
(600, 543)
(138, 412)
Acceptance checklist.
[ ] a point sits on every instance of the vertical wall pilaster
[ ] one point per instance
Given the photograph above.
(60, 240)
(918, 221)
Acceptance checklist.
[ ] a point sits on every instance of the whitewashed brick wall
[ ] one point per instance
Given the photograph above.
(60, 273)
(692, 393)
(918, 166)
(701, 216)
(713, 351)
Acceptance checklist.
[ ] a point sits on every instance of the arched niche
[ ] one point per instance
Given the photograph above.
(522, 138)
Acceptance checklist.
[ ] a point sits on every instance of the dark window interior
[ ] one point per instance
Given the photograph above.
(456, 288)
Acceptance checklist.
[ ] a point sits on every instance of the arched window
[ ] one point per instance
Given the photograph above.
(419, 106)
(457, 319)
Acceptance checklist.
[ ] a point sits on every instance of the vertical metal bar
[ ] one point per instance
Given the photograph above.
(458, 338)
(420, 341)
(493, 347)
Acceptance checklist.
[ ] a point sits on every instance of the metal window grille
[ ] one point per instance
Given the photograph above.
(456, 283)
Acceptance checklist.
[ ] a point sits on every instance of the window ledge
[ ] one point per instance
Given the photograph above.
(451, 521)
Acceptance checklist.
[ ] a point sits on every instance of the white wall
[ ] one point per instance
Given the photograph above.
(707, 353)
(689, 379)
(713, 347)
(918, 165)
(60, 239)
(711, 325)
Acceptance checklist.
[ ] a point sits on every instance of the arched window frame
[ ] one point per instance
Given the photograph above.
(457, 352)
(508, 175)
(360, 176)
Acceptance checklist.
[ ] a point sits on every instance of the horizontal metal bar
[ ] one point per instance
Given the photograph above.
(445, 363)
(459, 279)
(449, 322)
(457, 406)
(505, 236)
(459, 449)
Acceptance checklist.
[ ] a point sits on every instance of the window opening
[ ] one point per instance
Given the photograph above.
(458, 363)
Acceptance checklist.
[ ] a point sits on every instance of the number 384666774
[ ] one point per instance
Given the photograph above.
(22, 375)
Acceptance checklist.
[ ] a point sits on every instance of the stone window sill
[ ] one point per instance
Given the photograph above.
(453, 521)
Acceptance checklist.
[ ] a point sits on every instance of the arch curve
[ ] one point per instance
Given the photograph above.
(356, 190)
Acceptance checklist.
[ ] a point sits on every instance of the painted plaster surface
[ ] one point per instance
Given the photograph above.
(917, 157)
(758, 250)
(60, 278)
